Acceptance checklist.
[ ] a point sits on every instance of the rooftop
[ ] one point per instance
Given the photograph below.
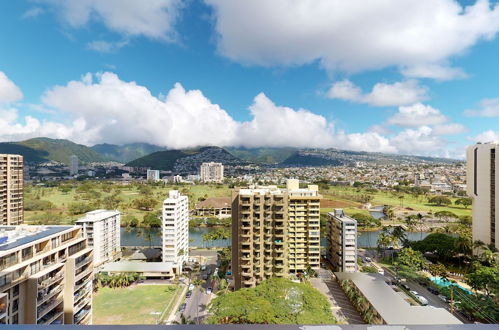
(12, 237)
(391, 306)
(216, 202)
(97, 215)
(340, 215)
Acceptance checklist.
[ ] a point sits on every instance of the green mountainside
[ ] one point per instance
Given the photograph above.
(127, 152)
(45, 149)
(262, 155)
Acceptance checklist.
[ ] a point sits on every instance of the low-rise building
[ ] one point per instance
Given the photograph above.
(102, 228)
(46, 275)
(341, 236)
(219, 207)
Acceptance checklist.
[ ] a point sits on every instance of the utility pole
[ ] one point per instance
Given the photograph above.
(451, 299)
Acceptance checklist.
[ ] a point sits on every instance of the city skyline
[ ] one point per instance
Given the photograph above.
(181, 74)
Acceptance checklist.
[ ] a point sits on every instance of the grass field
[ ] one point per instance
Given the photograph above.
(140, 304)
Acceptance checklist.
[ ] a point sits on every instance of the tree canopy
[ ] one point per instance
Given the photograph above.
(274, 301)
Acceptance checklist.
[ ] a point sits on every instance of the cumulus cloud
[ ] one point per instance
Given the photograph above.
(417, 115)
(488, 108)
(382, 94)
(102, 108)
(449, 129)
(9, 92)
(154, 19)
(487, 136)
(419, 37)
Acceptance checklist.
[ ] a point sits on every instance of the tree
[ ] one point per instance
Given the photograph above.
(184, 320)
(400, 236)
(146, 203)
(410, 258)
(439, 270)
(484, 278)
(442, 245)
(440, 200)
(445, 215)
(465, 202)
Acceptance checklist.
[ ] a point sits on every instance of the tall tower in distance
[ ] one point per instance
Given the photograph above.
(212, 172)
(275, 232)
(482, 185)
(175, 229)
(73, 165)
(11, 189)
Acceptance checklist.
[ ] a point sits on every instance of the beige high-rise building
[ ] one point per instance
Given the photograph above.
(45, 275)
(212, 172)
(275, 232)
(482, 185)
(11, 189)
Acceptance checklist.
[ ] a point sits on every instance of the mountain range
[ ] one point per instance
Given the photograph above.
(43, 149)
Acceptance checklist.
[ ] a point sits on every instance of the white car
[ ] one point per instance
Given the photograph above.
(415, 293)
(381, 271)
(422, 300)
(191, 287)
(209, 291)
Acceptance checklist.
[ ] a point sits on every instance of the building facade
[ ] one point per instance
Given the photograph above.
(213, 207)
(482, 185)
(275, 232)
(102, 229)
(11, 189)
(73, 165)
(212, 172)
(153, 175)
(341, 236)
(175, 229)
(46, 275)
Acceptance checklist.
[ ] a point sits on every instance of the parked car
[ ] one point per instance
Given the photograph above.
(191, 287)
(422, 300)
(182, 308)
(443, 298)
(188, 294)
(204, 277)
(414, 293)
(433, 290)
(209, 290)
(405, 286)
(209, 271)
(381, 271)
(203, 267)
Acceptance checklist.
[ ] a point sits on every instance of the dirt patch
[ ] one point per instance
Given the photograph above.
(328, 203)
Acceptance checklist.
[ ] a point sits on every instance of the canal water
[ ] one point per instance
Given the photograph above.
(135, 237)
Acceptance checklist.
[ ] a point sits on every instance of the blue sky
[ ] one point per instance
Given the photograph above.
(414, 77)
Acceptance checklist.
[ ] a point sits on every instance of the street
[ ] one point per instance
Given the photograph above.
(197, 305)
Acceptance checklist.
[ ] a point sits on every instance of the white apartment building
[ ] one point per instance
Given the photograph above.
(73, 165)
(175, 229)
(482, 185)
(153, 175)
(212, 172)
(11, 189)
(102, 229)
(46, 275)
(341, 237)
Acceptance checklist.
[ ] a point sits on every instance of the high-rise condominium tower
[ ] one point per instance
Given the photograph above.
(212, 172)
(102, 229)
(73, 165)
(175, 229)
(275, 232)
(341, 237)
(482, 185)
(46, 275)
(11, 189)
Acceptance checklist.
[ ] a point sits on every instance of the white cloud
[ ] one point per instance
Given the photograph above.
(33, 12)
(103, 108)
(449, 129)
(487, 136)
(103, 46)
(9, 92)
(488, 108)
(154, 19)
(419, 37)
(382, 94)
(417, 115)
(282, 126)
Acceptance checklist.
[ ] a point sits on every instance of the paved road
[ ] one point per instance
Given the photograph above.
(196, 305)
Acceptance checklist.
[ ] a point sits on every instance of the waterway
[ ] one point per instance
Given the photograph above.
(134, 237)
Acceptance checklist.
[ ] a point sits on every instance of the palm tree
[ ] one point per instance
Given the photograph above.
(420, 219)
(478, 245)
(399, 234)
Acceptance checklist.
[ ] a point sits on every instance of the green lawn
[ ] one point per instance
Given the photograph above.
(132, 305)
